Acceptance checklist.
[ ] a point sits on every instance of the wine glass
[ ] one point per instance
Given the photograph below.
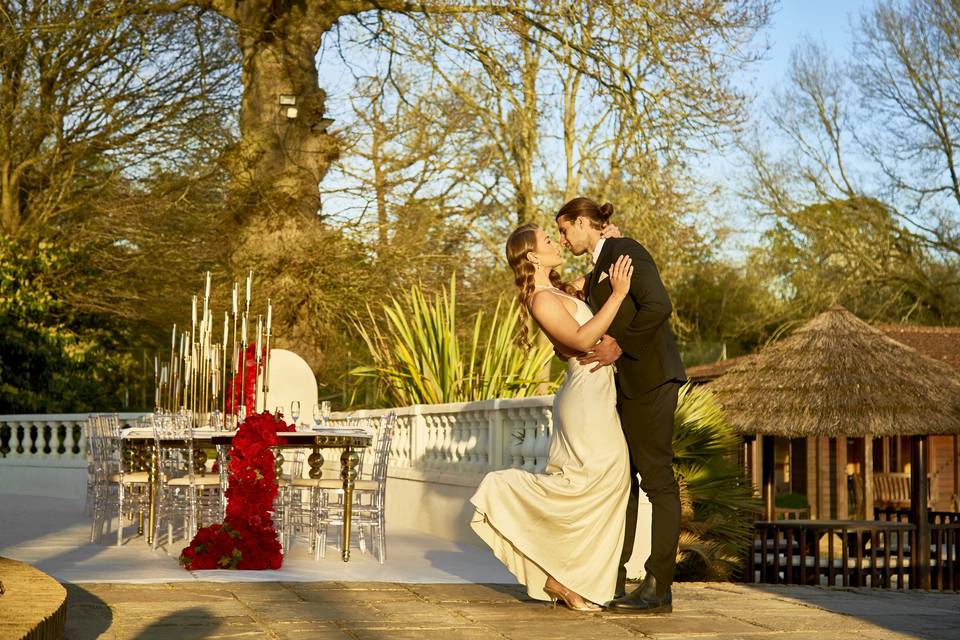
(295, 413)
(317, 416)
(325, 412)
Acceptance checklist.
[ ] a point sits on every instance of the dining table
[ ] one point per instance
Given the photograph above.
(347, 439)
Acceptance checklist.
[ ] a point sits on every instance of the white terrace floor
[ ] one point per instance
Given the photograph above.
(429, 589)
(53, 534)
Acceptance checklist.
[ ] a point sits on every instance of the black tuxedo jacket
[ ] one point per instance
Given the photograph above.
(642, 325)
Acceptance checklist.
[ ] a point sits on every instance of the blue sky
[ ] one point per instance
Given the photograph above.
(827, 21)
(794, 22)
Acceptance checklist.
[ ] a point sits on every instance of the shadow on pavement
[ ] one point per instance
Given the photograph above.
(186, 624)
(87, 615)
(920, 614)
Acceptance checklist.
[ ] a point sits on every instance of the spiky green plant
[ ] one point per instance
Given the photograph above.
(419, 357)
(717, 503)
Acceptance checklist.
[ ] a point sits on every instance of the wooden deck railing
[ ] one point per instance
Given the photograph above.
(903, 515)
(851, 554)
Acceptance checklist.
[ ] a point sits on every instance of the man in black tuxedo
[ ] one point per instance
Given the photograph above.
(649, 372)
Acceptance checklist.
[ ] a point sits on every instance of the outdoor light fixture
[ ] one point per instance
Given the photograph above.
(289, 101)
(320, 126)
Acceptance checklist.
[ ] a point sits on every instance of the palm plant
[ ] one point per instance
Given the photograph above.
(717, 503)
(419, 356)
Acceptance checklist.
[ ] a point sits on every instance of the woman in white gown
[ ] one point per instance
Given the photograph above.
(561, 532)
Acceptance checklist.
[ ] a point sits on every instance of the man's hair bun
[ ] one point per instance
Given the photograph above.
(606, 210)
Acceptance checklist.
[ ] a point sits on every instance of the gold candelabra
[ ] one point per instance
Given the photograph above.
(195, 378)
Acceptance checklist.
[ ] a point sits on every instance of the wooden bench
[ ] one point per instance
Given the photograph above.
(892, 490)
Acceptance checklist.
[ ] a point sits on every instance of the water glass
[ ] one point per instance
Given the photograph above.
(325, 412)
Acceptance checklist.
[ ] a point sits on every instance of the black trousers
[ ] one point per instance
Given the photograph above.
(647, 423)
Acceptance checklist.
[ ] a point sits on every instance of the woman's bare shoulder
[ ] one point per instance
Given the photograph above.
(547, 301)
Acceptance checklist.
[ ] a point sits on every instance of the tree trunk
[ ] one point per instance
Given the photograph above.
(284, 150)
(527, 135)
(379, 179)
(9, 201)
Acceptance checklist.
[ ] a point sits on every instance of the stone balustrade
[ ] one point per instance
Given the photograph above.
(438, 456)
(458, 443)
(56, 439)
(452, 443)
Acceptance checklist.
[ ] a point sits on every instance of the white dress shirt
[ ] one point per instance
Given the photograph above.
(597, 249)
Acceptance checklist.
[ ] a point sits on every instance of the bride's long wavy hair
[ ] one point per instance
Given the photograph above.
(522, 241)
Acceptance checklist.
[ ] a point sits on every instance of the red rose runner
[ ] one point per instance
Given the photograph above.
(246, 539)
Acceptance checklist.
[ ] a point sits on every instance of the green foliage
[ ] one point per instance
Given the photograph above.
(52, 361)
(791, 501)
(717, 501)
(420, 357)
(852, 252)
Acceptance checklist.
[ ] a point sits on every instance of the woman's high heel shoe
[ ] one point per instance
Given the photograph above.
(563, 595)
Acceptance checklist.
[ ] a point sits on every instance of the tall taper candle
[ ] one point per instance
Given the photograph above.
(206, 295)
(243, 362)
(257, 384)
(236, 292)
(269, 315)
(249, 285)
(223, 372)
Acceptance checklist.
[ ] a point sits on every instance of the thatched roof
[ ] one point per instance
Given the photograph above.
(837, 375)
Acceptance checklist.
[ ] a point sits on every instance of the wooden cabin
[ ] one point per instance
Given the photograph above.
(848, 487)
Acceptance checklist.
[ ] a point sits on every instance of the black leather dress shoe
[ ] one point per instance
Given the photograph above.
(644, 600)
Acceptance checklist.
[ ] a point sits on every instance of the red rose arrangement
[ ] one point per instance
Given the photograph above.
(247, 385)
(246, 539)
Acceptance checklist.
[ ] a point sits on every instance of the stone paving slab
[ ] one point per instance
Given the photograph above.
(374, 611)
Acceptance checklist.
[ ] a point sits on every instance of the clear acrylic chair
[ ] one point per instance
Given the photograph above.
(186, 493)
(369, 498)
(120, 486)
(283, 505)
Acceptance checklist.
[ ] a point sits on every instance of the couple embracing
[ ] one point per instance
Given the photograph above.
(567, 533)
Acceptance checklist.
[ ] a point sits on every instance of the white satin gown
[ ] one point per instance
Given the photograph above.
(567, 522)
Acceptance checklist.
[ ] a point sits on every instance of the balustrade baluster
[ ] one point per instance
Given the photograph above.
(482, 446)
(529, 449)
(448, 448)
(513, 429)
(33, 438)
(430, 446)
(542, 442)
(460, 433)
(5, 433)
(46, 434)
(61, 438)
(76, 433)
(406, 442)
